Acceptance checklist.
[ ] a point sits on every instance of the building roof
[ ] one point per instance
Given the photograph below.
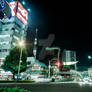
(40, 63)
(34, 72)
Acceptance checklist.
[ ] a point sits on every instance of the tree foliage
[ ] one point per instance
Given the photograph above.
(13, 90)
(11, 62)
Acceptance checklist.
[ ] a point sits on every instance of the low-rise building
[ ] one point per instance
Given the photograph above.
(5, 75)
(36, 69)
(90, 72)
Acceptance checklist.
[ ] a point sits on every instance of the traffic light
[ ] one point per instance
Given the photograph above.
(58, 64)
(1, 15)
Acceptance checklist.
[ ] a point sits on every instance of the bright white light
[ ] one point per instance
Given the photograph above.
(21, 43)
(89, 57)
(2, 58)
(20, 61)
(23, 3)
(28, 10)
(16, 38)
(69, 63)
(3, 36)
(81, 83)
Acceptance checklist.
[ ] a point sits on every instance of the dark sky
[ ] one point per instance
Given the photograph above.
(48, 16)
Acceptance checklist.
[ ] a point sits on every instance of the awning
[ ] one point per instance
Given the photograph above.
(70, 63)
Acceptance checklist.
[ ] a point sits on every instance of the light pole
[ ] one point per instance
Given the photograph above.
(49, 68)
(21, 44)
(58, 55)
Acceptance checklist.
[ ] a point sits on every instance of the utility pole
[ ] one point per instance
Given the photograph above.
(49, 68)
(58, 53)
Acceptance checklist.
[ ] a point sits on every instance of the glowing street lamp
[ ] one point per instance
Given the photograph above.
(89, 57)
(23, 3)
(21, 44)
(28, 9)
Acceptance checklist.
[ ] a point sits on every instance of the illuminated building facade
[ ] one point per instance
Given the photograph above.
(36, 68)
(14, 29)
(90, 72)
(69, 59)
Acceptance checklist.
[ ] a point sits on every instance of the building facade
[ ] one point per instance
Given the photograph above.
(36, 69)
(12, 30)
(90, 72)
(69, 59)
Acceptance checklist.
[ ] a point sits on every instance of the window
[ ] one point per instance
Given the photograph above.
(4, 50)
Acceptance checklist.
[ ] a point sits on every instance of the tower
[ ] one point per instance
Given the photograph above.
(35, 45)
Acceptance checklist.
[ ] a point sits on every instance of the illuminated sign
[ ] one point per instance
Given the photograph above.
(19, 11)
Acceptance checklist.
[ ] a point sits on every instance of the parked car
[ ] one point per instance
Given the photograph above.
(18, 77)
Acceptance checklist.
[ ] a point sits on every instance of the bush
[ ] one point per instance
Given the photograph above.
(13, 90)
(16, 81)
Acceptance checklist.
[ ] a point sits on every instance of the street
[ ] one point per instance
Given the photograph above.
(51, 87)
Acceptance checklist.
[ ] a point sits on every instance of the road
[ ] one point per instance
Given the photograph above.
(51, 87)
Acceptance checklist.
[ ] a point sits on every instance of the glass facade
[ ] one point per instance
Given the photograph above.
(11, 31)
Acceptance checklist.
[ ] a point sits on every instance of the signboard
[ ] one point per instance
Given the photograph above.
(19, 11)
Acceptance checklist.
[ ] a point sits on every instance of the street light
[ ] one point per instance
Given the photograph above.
(23, 3)
(28, 9)
(89, 57)
(21, 44)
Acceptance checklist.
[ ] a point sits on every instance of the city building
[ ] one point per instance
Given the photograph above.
(69, 60)
(30, 61)
(90, 72)
(5, 75)
(13, 30)
(36, 68)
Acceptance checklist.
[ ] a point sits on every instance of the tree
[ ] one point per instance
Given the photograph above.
(11, 62)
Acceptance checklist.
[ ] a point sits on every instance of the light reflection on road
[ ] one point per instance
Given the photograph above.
(80, 83)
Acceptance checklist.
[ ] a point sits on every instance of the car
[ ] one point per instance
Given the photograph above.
(18, 77)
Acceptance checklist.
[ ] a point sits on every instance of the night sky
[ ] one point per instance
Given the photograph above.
(48, 16)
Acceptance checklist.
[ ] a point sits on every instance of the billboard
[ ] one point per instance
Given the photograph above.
(19, 11)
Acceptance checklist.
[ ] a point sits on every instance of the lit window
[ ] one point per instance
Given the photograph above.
(2, 36)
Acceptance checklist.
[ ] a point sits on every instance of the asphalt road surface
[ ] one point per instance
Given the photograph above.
(51, 87)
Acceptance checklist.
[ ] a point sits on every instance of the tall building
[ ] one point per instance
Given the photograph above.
(69, 59)
(13, 30)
